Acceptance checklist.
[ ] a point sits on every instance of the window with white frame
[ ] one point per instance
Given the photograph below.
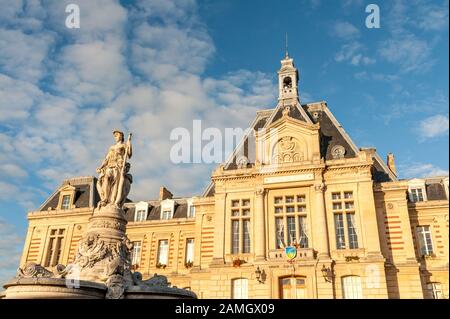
(191, 211)
(136, 253)
(343, 207)
(351, 287)
(166, 214)
(291, 213)
(167, 209)
(416, 195)
(141, 215)
(189, 250)
(240, 288)
(163, 252)
(65, 203)
(425, 241)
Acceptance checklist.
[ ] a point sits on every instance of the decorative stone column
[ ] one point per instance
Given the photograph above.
(259, 226)
(321, 242)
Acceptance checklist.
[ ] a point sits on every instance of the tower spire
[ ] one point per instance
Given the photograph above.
(287, 52)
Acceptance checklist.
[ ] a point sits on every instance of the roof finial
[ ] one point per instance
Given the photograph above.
(287, 52)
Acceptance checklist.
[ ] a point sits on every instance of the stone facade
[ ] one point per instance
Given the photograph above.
(298, 181)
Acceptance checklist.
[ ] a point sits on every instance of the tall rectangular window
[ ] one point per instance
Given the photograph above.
(339, 229)
(291, 211)
(235, 237)
(240, 226)
(136, 253)
(345, 220)
(303, 232)
(163, 252)
(54, 247)
(351, 287)
(291, 230)
(416, 195)
(246, 225)
(279, 232)
(425, 242)
(352, 236)
(189, 250)
(65, 204)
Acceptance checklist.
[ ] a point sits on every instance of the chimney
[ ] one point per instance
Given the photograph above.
(164, 193)
(391, 163)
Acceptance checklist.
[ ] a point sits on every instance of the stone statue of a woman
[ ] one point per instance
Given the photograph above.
(112, 172)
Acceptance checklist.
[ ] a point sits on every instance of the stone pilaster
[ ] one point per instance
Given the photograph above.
(219, 230)
(320, 233)
(259, 228)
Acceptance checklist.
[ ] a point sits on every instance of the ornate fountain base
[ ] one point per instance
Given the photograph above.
(101, 269)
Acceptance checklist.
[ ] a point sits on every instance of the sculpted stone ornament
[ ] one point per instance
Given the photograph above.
(90, 250)
(287, 151)
(337, 152)
(116, 287)
(114, 180)
(33, 270)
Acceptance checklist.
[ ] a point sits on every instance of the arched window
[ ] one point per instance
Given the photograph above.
(287, 82)
(351, 287)
(240, 288)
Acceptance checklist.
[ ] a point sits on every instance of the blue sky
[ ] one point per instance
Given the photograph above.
(149, 66)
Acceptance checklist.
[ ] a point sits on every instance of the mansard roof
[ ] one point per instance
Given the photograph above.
(154, 209)
(85, 193)
(331, 134)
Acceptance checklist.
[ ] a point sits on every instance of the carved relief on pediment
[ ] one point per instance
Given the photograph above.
(287, 150)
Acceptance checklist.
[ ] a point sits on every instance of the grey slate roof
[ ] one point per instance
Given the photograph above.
(154, 210)
(85, 187)
(435, 191)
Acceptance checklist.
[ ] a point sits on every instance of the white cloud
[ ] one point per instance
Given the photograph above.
(345, 30)
(433, 126)
(433, 17)
(148, 84)
(352, 53)
(11, 244)
(421, 170)
(409, 52)
(22, 55)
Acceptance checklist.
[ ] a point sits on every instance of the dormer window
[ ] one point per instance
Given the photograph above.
(166, 214)
(190, 209)
(416, 191)
(167, 209)
(66, 197)
(191, 213)
(416, 195)
(65, 204)
(141, 211)
(141, 215)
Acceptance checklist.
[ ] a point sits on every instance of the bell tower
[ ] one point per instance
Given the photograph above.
(288, 80)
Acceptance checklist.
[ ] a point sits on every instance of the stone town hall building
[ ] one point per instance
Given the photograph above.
(359, 232)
